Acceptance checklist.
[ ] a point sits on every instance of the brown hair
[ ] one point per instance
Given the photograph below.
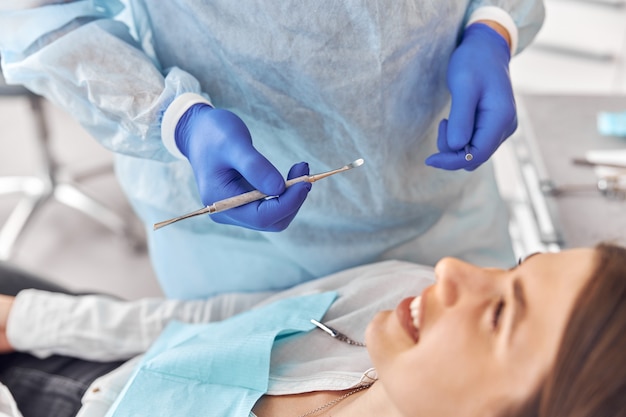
(589, 375)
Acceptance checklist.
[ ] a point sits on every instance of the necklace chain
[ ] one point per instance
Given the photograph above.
(343, 338)
(336, 400)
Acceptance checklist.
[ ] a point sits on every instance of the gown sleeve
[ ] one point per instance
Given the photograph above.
(85, 57)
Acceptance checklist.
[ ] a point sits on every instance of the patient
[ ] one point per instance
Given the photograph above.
(546, 338)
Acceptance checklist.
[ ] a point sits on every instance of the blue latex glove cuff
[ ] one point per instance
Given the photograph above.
(182, 126)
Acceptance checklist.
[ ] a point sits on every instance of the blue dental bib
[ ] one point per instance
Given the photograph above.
(216, 369)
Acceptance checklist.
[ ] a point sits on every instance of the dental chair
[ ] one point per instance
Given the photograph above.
(51, 182)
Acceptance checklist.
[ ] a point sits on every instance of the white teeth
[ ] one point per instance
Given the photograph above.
(415, 311)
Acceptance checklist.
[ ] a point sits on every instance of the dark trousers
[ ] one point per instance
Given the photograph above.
(51, 387)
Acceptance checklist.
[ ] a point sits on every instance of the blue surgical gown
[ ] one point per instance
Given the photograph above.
(325, 82)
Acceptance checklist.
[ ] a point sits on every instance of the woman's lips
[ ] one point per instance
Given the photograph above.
(403, 312)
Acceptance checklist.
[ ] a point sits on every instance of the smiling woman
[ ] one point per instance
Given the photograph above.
(545, 338)
(588, 377)
(485, 340)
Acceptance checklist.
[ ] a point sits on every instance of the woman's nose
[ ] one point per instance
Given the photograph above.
(456, 278)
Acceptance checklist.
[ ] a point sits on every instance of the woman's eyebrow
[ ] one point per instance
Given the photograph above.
(527, 257)
(523, 259)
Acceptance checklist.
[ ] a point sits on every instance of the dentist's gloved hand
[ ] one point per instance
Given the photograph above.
(482, 114)
(219, 148)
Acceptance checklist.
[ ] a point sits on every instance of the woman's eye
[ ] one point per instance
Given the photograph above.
(497, 313)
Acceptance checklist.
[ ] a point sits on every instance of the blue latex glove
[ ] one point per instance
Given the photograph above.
(219, 148)
(482, 114)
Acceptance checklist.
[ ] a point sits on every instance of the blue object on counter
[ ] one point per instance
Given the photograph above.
(612, 124)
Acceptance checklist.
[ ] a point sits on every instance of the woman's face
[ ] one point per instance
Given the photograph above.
(484, 337)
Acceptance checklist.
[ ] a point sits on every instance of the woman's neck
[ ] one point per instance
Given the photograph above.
(368, 402)
(373, 402)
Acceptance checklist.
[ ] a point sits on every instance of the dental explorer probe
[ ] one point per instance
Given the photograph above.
(254, 195)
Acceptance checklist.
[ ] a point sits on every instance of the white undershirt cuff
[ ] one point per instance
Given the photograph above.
(500, 16)
(172, 115)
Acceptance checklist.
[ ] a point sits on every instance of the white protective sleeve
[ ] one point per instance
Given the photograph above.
(101, 328)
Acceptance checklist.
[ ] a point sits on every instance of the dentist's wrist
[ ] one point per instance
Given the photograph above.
(171, 117)
(498, 28)
(499, 20)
